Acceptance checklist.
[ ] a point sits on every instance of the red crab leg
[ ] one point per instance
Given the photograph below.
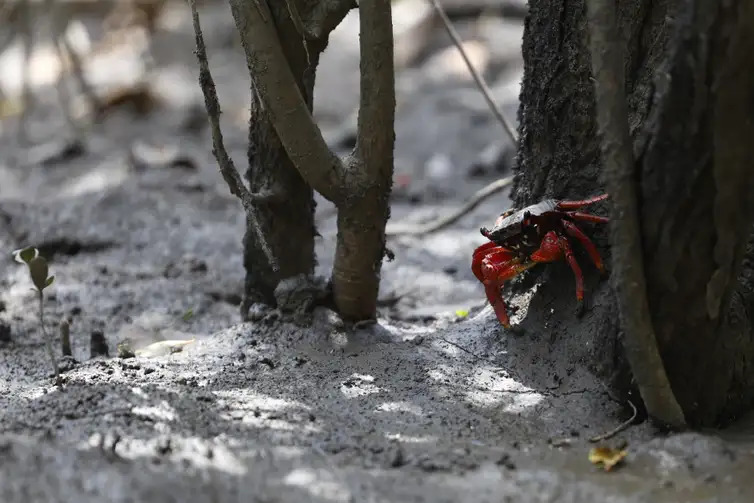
(575, 232)
(549, 250)
(587, 217)
(566, 247)
(552, 249)
(574, 205)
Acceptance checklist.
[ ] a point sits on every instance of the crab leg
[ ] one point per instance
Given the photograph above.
(553, 248)
(574, 205)
(587, 217)
(568, 252)
(572, 230)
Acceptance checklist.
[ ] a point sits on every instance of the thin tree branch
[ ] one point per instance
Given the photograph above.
(442, 222)
(628, 269)
(509, 129)
(224, 161)
(375, 124)
(363, 216)
(282, 100)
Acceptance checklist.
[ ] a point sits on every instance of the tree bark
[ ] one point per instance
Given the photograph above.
(360, 186)
(287, 218)
(639, 341)
(290, 218)
(690, 101)
(363, 214)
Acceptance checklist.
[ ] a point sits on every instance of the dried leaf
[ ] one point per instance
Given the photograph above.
(606, 456)
(163, 348)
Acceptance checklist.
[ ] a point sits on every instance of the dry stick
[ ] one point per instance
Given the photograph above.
(474, 73)
(473, 202)
(625, 424)
(224, 161)
(628, 269)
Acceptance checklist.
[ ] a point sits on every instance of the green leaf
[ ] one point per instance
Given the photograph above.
(38, 269)
(49, 281)
(25, 255)
(188, 315)
(462, 313)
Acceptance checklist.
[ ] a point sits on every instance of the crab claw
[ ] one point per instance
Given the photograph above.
(493, 265)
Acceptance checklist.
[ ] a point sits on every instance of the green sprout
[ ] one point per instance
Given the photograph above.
(39, 270)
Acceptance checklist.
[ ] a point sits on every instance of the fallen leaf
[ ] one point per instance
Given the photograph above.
(163, 348)
(606, 456)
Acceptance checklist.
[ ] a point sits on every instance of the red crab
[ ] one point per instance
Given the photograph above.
(524, 238)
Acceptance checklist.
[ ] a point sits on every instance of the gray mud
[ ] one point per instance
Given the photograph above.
(426, 405)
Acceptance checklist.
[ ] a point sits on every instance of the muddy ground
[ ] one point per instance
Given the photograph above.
(428, 405)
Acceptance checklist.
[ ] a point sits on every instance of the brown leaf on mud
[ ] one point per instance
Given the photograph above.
(606, 456)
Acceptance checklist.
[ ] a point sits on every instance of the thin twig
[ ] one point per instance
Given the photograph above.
(474, 73)
(628, 275)
(442, 222)
(625, 424)
(224, 161)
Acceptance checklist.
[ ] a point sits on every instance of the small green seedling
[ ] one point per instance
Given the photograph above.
(39, 270)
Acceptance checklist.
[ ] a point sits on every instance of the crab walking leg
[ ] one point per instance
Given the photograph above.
(574, 205)
(568, 252)
(573, 231)
(549, 250)
(587, 217)
(553, 248)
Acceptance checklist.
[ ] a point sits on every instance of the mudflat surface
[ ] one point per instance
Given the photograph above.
(434, 403)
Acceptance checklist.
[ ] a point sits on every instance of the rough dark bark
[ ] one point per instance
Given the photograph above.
(628, 279)
(690, 101)
(270, 168)
(359, 186)
(697, 145)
